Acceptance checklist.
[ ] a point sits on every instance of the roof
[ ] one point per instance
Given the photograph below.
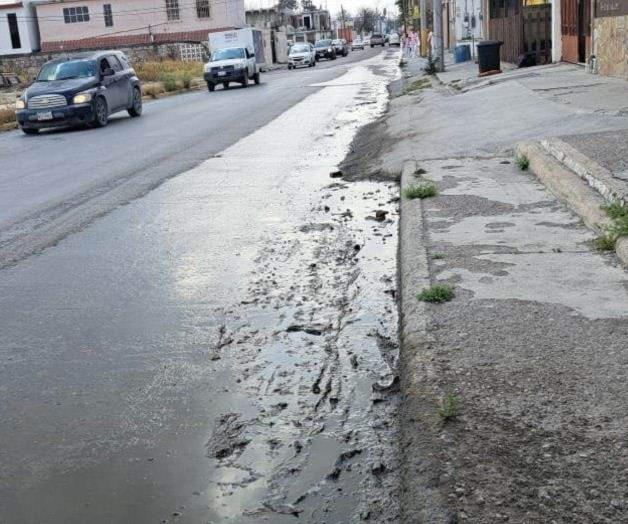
(10, 5)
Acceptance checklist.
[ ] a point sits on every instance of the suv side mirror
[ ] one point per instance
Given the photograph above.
(108, 72)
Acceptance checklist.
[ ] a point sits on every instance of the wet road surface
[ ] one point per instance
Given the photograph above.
(222, 349)
(57, 182)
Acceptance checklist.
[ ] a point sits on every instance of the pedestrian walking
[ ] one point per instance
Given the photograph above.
(408, 45)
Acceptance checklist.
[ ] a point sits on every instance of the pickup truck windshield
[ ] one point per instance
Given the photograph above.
(227, 54)
(66, 70)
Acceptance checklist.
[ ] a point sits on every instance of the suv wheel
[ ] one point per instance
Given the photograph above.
(211, 86)
(101, 114)
(30, 131)
(225, 85)
(136, 108)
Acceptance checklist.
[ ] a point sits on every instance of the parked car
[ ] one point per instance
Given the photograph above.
(357, 44)
(341, 47)
(301, 55)
(80, 90)
(366, 41)
(231, 64)
(377, 39)
(394, 39)
(325, 49)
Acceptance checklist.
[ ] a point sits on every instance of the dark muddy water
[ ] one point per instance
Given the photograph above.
(221, 350)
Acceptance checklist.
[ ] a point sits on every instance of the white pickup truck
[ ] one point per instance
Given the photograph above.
(231, 64)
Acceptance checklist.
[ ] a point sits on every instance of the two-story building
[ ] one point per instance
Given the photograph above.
(18, 28)
(89, 24)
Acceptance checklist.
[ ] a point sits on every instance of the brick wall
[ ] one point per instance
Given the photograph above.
(611, 45)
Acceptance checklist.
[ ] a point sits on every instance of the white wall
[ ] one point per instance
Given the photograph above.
(27, 27)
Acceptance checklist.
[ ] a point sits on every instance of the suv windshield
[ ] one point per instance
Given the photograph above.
(336, 42)
(65, 70)
(227, 54)
(323, 43)
(299, 49)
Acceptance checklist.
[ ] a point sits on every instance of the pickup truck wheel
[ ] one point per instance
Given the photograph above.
(256, 78)
(225, 85)
(211, 86)
(245, 80)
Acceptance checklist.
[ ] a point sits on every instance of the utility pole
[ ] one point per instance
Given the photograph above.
(342, 14)
(437, 35)
(423, 8)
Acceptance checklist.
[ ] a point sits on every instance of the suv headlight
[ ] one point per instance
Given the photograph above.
(20, 104)
(329, 50)
(82, 98)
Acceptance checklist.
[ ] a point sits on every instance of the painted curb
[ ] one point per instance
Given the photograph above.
(572, 189)
(420, 425)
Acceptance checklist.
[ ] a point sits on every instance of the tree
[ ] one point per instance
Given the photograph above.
(364, 21)
(287, 5)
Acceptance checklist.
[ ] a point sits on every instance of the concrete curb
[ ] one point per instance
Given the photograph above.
(420, 425)
(595, 175)
(571, 188)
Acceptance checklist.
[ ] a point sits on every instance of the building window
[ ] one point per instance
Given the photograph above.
(72, 15)
(172, 9)
(14, 31)
(202, 9)
(106, 9)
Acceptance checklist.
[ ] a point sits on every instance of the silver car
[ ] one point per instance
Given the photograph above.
(301, 54)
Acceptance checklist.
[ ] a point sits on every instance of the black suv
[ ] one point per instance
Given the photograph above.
(325, 49)
(341, 47)
(79, 90)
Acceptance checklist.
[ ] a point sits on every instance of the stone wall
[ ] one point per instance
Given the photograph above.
(610, 37)
(27, 66)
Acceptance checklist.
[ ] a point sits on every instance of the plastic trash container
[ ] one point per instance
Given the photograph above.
(488, 56)
(462, 53)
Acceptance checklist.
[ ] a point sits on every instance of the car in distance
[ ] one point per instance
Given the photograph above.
(301, 55)
(79, 90)
(366, 41)
(357, 44)
(377, 39)
(231, 64)
(325, 49)
(341, 47)
(394, 39)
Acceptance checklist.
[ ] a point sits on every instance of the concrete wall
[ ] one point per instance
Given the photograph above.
(131, 18)
(27, 27)
(557, 38)
(610, 41)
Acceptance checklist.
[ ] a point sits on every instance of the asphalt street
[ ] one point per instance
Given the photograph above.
(59, 181)
(198, 324)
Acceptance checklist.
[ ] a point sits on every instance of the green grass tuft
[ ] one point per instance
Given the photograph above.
(448, 408)
(522, 162)
(605, 243)
(417, 85)
(437, 293)
(619, 215)
(423, 190)
(438, 256)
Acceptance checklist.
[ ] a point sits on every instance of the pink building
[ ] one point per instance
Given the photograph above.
(88, 24)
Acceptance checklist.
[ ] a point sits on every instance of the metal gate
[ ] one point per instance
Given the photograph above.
(537, 32)
(575, 29)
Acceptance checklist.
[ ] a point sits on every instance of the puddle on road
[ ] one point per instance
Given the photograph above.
(321, 331)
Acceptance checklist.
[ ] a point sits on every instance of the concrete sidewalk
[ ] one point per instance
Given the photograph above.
(533, 346)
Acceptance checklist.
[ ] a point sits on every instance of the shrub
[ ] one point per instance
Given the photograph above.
(152, 71)
(7, 115)
(522, 162)
(170, 82)
(153, 89)
(186, 80)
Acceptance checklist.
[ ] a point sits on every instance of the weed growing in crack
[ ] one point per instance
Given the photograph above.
(438, 256)
(619, 215)
(448, 408)
(605, 243)
(522, 162)
(417, 85)
(437, 293)
(423, 190)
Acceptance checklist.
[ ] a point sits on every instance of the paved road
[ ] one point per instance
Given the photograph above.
(58, 182)
(222, 349)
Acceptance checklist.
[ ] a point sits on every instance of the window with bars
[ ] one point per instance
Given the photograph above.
(108, 15)
(72, 15)
(202, 9)
(172, 9)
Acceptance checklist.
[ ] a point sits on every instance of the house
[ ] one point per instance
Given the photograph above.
(310, 25)
(272, 22)
(19, 33)
(66, 25)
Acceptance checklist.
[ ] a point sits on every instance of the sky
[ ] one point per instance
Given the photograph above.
(334, 5)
